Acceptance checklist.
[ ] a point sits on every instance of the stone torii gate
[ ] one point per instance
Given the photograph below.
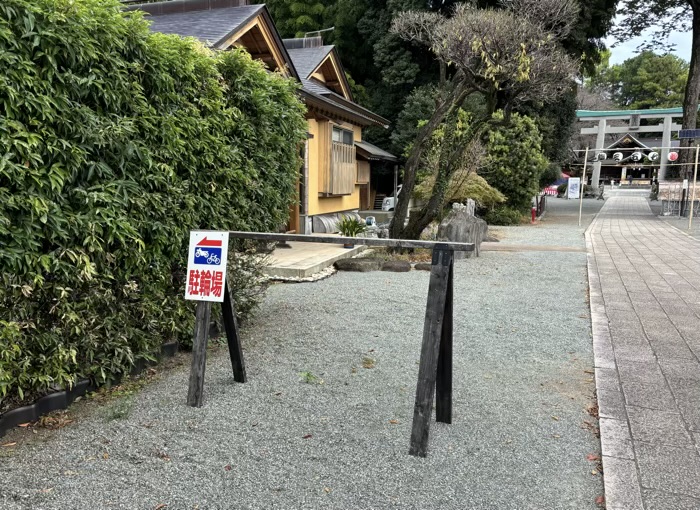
(633, 117)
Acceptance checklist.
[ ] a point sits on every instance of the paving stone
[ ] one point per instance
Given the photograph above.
(649, 395)
(658, 427)
(670, 347)
(622, 488)
(688, 401)
(658, 500)
(633, 353)
(669, 468)
(621, 305)
(628, 332)
(643, 372)
(682, 370)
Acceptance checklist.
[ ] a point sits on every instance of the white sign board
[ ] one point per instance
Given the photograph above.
(574, 188)
(685, 183)
(206, 266)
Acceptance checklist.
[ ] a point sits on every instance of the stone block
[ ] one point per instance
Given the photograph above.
(362, 264)
(622, 489)
(461, 227)
(615, 438)
(396, 266)
(611, 404)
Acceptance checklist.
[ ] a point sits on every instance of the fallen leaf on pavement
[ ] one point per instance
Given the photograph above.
(24, 424)
(588, 372)
(307, 436)
(556, 418)
(161, 506)
(327, 490)
(594, 472)
(393, 422)
(9, 444)
(592, 457)
(228, 467)
(600, 500)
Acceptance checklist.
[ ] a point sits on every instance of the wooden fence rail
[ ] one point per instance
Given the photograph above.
(435, 370)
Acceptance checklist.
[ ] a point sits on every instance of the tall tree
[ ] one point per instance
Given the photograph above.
(509, 56)
(645, 81)
(639, 16)
(294, 18)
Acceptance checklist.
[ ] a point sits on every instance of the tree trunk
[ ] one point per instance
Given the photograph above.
(445, 108)
(692, 90)
(448, 165)
(421, 219)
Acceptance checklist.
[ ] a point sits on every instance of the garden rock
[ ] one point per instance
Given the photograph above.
(422, 266)
(362, 264)
(396, 266)
(459, 226)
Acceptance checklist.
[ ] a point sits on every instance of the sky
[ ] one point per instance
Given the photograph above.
(622, 52)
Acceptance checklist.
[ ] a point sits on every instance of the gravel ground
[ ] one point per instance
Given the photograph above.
(519, 439)
(558, 227)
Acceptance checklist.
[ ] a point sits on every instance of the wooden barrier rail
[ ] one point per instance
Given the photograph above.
(435, 370)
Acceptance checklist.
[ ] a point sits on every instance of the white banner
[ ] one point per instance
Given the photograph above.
(206, 266)
(574, 188)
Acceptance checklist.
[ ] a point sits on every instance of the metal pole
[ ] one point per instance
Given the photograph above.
(695, 178)
(396, 186)
(583, 183)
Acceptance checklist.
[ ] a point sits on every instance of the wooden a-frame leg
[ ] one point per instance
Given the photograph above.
(432, 333)
(232, 337)
(443, 386)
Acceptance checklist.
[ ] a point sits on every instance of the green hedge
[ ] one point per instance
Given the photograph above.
(503, 215)
(114, 144)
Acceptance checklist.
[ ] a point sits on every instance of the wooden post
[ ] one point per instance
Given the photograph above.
(199, 354)
(695, 180)
(432, 333)
(443, 385)
(583, 184)
(234, 340)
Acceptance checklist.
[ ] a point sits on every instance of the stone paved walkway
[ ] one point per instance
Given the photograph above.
(644, 280)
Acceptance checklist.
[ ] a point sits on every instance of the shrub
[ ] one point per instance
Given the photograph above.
(503, 215)
(515, 161)
(115, 143)
(561, 189)
(349, 226)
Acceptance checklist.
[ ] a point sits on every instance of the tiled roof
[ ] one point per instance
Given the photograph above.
(306, 60)
(212, 26)
(314, 86)
(370, 151)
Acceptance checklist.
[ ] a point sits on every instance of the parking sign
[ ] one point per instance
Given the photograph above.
(206, 266)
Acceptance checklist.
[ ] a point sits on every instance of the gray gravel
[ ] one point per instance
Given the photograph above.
(558, 227)
(518, 439)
